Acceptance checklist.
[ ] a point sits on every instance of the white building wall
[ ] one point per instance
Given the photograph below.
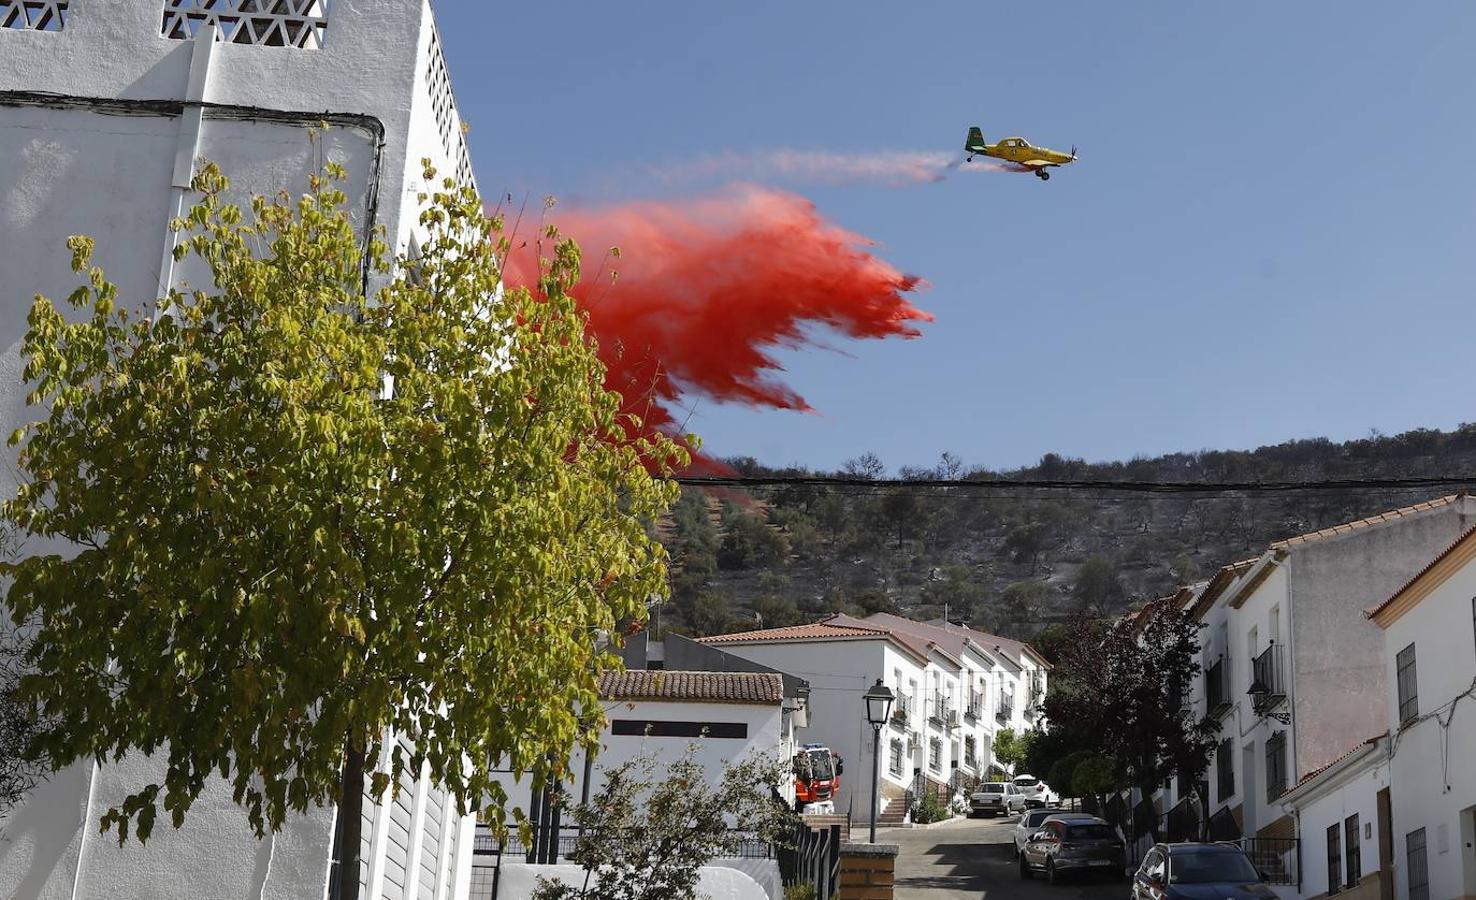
(1346, 794)
(97, 155)
(764, 723)
(1434, 756)
(1250, 631)
(839, 672)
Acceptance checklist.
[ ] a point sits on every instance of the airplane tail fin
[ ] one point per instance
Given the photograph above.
(976, 138)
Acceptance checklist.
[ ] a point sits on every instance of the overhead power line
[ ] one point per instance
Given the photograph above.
(1050, 484)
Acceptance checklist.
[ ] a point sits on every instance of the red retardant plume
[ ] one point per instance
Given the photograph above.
(707, 288)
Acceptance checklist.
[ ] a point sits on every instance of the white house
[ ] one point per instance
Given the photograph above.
(1293, 671)
(105, 107)
(1341, 813)
(1429, 661)
(954, 689)
(724, 717)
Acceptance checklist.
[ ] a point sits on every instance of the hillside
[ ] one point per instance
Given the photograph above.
(1012, 560)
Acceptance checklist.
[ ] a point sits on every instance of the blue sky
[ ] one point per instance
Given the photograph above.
(1269, 234)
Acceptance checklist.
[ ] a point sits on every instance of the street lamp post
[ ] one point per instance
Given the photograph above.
(878, 699)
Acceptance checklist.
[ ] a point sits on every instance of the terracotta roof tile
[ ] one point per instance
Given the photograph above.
(811, 632)
(1347, 527)
(707, 687)
(1312, 775)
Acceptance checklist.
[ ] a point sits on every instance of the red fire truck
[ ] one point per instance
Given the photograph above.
(817, 776)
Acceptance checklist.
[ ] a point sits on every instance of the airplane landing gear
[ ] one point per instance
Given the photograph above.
(1042, 174)
(970, 159)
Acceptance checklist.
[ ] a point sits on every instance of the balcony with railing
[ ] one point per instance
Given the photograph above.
(1268, 689)
(1006, 709)
(1217, 689)
(902, 713)
(974, 709)
(944, 715)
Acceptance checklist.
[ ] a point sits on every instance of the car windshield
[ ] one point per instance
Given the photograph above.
(820, 763)
(1203, 868)
(1090, 833)
(992, 789)
(1037, 817)
(1027, 782)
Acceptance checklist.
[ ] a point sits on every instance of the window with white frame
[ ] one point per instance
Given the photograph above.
(894, 757)
(935, 754)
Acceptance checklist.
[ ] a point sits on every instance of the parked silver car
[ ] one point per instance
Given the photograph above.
(1060, 847)
(996, 798)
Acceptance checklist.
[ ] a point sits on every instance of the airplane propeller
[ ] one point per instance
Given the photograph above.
(1073, 151)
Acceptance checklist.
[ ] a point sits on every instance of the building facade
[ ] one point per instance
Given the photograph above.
(1290, 662)
(106, 109)
(955, 689)
(1429, 661)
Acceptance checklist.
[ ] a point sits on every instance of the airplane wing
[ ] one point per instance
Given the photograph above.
(1037, 163)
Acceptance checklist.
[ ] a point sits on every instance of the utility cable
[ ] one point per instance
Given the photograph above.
(1049, 484)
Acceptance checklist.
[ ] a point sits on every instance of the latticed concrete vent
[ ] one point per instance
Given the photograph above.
(443, 101)
(33, 15)
(267, 23)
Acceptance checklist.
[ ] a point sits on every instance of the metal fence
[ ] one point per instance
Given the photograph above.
(1279, 859)
(813, 858)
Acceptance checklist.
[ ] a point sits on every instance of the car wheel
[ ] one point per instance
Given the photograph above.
(1024, 868)
(1052, 877)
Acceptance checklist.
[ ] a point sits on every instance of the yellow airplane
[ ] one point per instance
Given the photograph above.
(1017, 150)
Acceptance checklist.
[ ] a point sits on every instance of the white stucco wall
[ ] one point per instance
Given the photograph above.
(99, 160)
(763, 721)
(717, 883)
(1338, 652)
(1335, 799)
(1434, 758)
(1312, 601)
(839, 673)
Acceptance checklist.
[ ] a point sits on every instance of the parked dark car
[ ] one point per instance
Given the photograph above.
(1081, 844)
(1198, 872)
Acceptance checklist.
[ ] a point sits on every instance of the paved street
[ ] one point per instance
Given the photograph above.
(973, 858)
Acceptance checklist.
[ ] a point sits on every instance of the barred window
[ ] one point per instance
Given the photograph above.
(1275, 766)
(1352, 852)
(1225, 769)
(1334, 858)
(1409, 696)
(894, 761)
(1419, 873)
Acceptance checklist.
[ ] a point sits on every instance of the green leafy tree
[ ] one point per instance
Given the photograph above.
(710, 613)
(1116, 690)
(775, 611)
(648, 832)
(281, 562)
(1022, 601)
(1012, 749)
(749, 542)
(1097, 587)
(1025, 543)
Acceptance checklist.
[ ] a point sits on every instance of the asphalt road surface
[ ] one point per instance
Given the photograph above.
(974, 858)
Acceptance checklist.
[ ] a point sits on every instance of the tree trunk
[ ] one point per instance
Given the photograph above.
(351, 819)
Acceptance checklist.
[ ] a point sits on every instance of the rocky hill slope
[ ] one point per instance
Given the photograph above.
(1015, 560)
